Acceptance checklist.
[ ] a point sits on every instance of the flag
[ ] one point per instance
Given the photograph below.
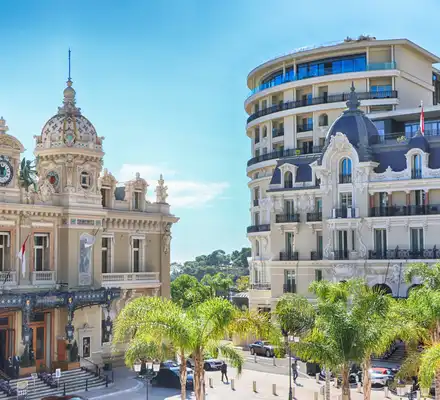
(22, 256)
(422, 120)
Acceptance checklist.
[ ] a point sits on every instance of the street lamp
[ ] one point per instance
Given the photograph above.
(286, 342)
(69, 331)
(150, 371)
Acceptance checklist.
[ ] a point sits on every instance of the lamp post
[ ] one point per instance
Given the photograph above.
(108, 324)
(150, 371)
(286, 342)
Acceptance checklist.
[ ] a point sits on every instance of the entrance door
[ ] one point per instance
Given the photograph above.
(37, 344)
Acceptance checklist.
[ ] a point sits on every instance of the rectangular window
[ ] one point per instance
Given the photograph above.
(41, 252)
(137, 201)
(105, 197)
(257, 153)
(264, 104)
(380, 241)
(106, 255)
(136, 253)
(319, 244)
(318, 275)
(318, 204)
(257, 218)
(419, 197)
(290, 242)
(289, 281)
(417, 242)
(4, 252)
(289, 207)
(383, 199)
(346, 200)
(257, 135)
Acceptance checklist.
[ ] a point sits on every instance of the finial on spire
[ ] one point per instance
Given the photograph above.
(353, 102)
(69, 79)
(3, 126)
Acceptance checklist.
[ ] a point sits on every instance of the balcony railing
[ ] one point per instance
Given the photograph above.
(284, 153)
(289, 287)
(289, 256)
(8, 277)
(340, 254)
(399, 137)
(291, 77)
(416, 174)
(314, 216)
(345, 178)
(404, 254)
(44, 277)
(276, 132)
(260, 286)
(304, 127)
(344, 213)
(334, 98)
(284, 218)
(316, 255)
(398, 211)
(130, 278)
(258, 228)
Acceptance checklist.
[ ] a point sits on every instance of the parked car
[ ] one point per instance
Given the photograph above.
(68, 397)
(168, 364)
(262, 348)
(381, 376)
(210, 364)
(170, 378)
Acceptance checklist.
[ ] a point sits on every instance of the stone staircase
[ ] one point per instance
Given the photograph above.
(73, 381)
(396, 356)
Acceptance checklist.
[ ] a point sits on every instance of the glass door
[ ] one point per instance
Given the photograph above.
(37, 344)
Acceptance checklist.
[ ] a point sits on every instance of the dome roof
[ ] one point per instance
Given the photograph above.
(419, 142)
(359, 129)
(69, 128)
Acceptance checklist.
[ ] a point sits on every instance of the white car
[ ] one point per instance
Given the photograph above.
(379, 379)
(210, 364)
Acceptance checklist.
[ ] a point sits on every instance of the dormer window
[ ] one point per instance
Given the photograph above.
(288, 180)
(345, 175)
(416, 166)
(85, 180)
(137, 200)
(105, 197)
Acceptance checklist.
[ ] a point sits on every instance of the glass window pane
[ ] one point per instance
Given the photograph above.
(38, 259)
(39, 350)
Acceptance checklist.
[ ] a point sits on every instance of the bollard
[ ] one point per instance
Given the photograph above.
(87, 385)
(386, 391)
(255, 358)
(359, 387)
(418, 395)
(317, 378)
(232, 383)
(210, 383)
(293, 392)
(274, 389)
(316, 396)
(254, 386)
(273, 360)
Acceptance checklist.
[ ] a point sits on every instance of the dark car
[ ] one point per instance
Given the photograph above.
(262, 348)
(170, 378)
(68, 397)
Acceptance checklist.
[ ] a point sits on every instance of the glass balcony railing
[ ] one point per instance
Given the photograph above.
(291, 77)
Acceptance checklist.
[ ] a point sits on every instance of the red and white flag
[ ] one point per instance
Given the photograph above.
(422, 120)
(22, 256)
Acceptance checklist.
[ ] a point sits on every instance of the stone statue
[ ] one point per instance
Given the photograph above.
(167, 239)
(161, 191)
(45, 190)
(28, 175)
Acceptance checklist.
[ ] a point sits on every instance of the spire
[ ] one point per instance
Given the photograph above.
(353, 102)
(3, 127)
(69, 79)
(69, 101)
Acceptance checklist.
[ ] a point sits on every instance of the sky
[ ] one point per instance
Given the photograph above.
(165, 82)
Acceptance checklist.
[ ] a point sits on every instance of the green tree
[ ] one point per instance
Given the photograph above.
(186, 291)
(197, 330)
(243, 283)
(218, 284)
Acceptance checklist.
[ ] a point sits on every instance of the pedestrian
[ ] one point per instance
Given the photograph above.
(295, 368)
(224, 370)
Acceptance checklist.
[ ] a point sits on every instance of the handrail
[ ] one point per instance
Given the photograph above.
(97, 367)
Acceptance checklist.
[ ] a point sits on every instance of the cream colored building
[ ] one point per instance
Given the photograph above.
(92, 244)
(339, 196)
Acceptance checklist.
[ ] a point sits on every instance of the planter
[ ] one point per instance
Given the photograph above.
(26, 371)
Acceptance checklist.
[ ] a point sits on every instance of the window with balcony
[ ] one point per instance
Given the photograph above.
(289, 281)
(289, 239)
(346, 243)
(257, 135)
(318, 204)
(323, 120)
(288, 180)
(256, 196)
(41, 252)
(289, 207)
(346, 200)
(257, 218)
(264, 104)
(319, 244)
(306, 146)
(416, 166)
(264, 131)
(137, 200)
(136, 254)
(106, 255)
(417, 242)
(419, 197)
(257, 248)
(265, 150)
(345, 168)
(318, 275)
(5, 252)
(383, 200)
(256, 107)
(257, 152)
(380, 243)
(381, 91)
(105, 197)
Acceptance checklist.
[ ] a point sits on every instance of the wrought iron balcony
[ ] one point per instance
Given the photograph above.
(340, 254)
(289, 287)
(314, 216)
(404, 254)
(416, 174)
(316, 255)
(284, 218)
(304, 127)
(345, 178)
(396, 211)
(334, 98)
(260, 286)
(288, 256)
(276, 132)
(344, 212)
(284, 153)
(258, 228)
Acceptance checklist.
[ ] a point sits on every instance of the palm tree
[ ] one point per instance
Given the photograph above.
(198, 331)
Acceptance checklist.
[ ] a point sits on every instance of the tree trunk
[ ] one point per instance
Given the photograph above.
(345, 382)
(198, 377)
(437, 385)
(182, 376)
(366, 380)
(327, 383)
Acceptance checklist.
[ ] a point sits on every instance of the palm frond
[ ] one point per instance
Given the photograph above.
(232, 355)
(429, 365)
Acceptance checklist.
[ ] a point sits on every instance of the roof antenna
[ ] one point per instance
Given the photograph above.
(69, 78)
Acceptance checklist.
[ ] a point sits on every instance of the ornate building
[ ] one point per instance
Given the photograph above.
(85, 244)
(341, 183)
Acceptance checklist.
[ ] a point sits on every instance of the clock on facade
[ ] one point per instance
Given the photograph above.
(6, 172)
(53, 178)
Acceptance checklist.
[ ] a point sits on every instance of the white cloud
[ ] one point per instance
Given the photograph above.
(182, 193)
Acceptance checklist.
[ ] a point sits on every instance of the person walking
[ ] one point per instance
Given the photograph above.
(295, 368)
(224, 369)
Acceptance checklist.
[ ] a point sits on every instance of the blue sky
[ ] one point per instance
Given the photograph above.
(165, 82)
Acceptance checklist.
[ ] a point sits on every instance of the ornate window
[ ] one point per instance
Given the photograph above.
(136, 254)
(85, 180)
(345, 168)
(416, 166)
(323, 120)
(105, 197)
(288, 180)
(257, 248)
(41, 252)
(5, 251)
(137, 200)
(106, 255)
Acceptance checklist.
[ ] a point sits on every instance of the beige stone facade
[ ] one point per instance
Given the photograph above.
(92, 244)
(294, 230)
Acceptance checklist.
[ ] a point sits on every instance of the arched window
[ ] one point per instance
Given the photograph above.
(345, 174)
(416, 167)
(323, 120)
(288, 180)
(257, 248)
